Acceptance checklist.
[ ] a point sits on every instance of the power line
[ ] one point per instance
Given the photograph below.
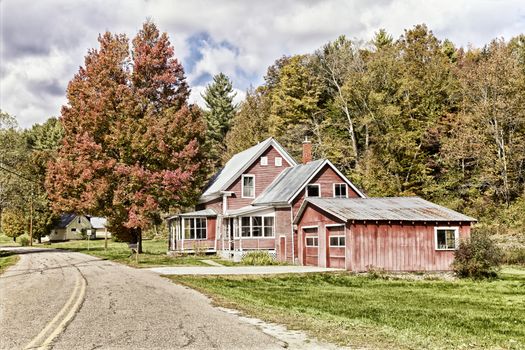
(2, 167)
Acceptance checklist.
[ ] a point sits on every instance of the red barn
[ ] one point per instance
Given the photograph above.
(253, 202)
(395, 234)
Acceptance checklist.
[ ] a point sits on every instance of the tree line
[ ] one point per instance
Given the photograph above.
(408, 116)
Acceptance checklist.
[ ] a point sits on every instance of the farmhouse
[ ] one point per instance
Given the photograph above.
(262, 199)
(70, 226)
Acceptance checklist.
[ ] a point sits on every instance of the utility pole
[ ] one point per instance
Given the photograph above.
(31, 217)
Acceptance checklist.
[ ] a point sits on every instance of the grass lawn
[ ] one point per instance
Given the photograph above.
(7, 259)
(154, 253)
(362, 311)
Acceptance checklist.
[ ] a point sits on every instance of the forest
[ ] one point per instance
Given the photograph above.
(408, 116)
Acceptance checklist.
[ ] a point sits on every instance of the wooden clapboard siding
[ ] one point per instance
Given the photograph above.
(264, 176)
(283, 227)
(215, 204)
(255, 243)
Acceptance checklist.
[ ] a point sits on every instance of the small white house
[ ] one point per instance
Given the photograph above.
(70, 226)
(99, 226)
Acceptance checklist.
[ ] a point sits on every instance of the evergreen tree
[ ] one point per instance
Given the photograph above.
(218, 97)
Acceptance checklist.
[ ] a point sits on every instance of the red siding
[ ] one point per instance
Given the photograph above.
(326, 178)
(395, 247)
(208, 243)
(264, 176)
(215, 204)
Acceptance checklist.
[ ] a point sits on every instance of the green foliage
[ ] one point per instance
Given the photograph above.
(24, 241)
(258, 258)
(14, 223)
(477, 256)
(220, 112)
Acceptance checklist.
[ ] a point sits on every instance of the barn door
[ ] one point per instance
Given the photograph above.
(311, 246)
(336, 246)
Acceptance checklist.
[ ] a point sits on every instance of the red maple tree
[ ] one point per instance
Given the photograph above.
(133, 146)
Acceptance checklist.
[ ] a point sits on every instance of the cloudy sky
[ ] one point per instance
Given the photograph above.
(43, 42)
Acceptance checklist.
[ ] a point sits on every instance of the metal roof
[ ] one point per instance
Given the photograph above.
(288, 183)
(98, 222)
(65, 219)
(202, 213)
(246, 210)
(238, 163)
(390, 208)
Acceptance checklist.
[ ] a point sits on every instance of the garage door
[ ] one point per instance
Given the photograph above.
(336, 246)
(311, 247)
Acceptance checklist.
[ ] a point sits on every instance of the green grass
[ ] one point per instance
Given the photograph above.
(382, 313)
(7, 259)
(154, 253)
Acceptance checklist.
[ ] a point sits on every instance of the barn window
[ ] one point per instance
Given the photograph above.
(257, 226)
(195, 228)
(312, 241)
(313, 190)
(278, 161)
(340, 191)
(337, 241)
(446, 238)
(248, 186)
(264, 161)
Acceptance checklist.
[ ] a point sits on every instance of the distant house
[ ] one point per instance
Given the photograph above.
(99, 225)
(311, 214)
(71, 226)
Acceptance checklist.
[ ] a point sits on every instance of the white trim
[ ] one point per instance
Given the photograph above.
(333, 225)
(195, 227)
(312, 246)
(262, 227)
(336, 246)
(309, 227)
(306, 190)
(264, 161)
(346, 190)
(346, 179)
(278, 163)
(456, 237)
(243, 176)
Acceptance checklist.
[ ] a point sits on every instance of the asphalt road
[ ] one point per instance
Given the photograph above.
(62, 300)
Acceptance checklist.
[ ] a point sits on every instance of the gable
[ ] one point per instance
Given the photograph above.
(239, 163)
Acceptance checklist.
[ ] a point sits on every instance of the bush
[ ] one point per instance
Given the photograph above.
(477, 257)
(24, 241)
(514, 256)
(258, 258)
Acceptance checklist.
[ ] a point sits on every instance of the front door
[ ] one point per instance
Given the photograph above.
(282, 248)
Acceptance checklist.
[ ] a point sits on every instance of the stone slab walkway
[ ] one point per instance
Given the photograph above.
(237, 270)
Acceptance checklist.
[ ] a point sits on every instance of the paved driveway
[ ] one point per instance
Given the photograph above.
(237, 270)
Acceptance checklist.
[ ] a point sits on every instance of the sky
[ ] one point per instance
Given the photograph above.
(43, 43)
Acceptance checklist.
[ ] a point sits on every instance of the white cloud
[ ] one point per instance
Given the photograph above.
(43, 43)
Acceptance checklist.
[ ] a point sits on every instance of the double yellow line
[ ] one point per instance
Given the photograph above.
(60, 321)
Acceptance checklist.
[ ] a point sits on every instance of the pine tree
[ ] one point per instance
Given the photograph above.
(221, 110)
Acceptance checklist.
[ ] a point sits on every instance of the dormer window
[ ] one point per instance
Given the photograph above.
(264, 161)
(248, 186)
(313, 190)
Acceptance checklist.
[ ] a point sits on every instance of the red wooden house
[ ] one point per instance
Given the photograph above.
(263, 200)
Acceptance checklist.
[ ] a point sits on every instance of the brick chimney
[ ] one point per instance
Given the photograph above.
(307, 151)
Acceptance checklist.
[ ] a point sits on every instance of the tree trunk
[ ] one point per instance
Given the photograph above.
(139, 240)
(39, 240)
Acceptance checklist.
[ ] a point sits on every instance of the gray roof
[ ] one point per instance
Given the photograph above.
(202, 213)
(288, 183)
(65, 219)
(238, 163)
(98, 222)
(245, 210)
(391, 208)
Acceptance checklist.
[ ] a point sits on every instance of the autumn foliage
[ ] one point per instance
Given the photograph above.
(133, 145)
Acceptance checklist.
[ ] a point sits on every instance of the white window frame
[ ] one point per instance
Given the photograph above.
(183, 231)
(242, 185)
(338, 238)
(456, 237)
(263, 226)
(346, 190)
(314, 239)
(278, 161)
(306, 190)
(264, 161)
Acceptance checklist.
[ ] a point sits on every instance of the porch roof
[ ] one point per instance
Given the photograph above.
(246, 210)
(199, 213)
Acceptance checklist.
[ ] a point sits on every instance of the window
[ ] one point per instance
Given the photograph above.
(264, 160)
(312, 241)
(73, 230)
(340, 191)
(337, 241)
(195, 228)
(278, 161)
(257, 226)
(313, 190)
(446, 238)
(248, 186)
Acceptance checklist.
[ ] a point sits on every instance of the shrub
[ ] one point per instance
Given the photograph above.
(259, 258)
(477, 257)
(514, 256)
(24, 241)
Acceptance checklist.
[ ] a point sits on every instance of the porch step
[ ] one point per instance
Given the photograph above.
(211, 263)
